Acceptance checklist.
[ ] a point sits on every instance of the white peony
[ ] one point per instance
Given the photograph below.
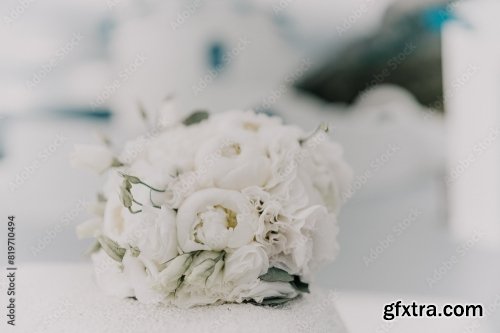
(233, 161)
(215, 219)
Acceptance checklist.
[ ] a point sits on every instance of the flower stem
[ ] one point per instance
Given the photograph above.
(151, 188)
(322, 127)
(134, 211)
(152, 202)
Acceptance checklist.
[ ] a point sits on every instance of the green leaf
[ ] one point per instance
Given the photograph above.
(273, 301)
(299, 285)
(275, 274)
(130, 179)
(111, 248)
(195, 118)
(322, 127)
(126, 198)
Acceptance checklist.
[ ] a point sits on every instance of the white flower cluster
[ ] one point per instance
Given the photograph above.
(227, 207)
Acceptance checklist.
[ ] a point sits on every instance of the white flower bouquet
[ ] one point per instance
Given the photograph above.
(228, 207)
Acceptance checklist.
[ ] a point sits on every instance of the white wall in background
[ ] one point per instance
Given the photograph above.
(471, 54)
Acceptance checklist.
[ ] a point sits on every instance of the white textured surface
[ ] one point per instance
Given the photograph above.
(63, 298)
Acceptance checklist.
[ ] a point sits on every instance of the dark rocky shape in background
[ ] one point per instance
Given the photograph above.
(405, 51)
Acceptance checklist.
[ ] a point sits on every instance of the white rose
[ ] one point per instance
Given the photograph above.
(202, 268)
(158, 145)
(275, 231)
(320, 229)
(179, 189)
(173, 184)
(203, 281)
(117, 219)
(256, 196)
(154, 233)
(296, 193)
(284, 152)
(314, 243)
(181, 143)
(329, 173)
(215, 219)
(246, 264)
(142, 275)
(168, 278)
(92, 157)
(233, 161)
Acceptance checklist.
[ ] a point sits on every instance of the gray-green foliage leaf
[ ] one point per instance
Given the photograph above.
(195, 118)
(111, 248)
(299, 285)
(276, 275)
(273, 301)
(131, 179)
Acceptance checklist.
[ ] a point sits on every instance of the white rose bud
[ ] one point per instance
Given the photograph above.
(169, 277)
(202, 267)
(246, 264)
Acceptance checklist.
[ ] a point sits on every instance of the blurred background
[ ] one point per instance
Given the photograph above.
(410, 88)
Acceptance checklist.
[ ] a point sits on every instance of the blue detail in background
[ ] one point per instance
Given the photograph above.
(84, 113)
(105, 31)
(435, 17)
(215, 54)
